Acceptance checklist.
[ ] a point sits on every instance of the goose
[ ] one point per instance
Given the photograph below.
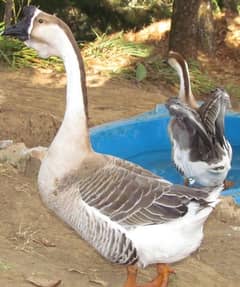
(129, 215)
(200, 150)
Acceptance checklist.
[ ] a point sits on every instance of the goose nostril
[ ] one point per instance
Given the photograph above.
(219, 167)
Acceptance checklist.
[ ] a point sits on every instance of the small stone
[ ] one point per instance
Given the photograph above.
(5, 144)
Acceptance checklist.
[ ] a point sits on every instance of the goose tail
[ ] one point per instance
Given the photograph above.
(213, 198)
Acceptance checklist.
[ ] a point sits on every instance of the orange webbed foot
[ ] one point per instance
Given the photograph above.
(131, 276)
(228, 184)
(161, 279)
(164, 272)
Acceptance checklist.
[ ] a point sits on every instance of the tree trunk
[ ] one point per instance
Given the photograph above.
(206, 31)
(192, 27)
(8, 12)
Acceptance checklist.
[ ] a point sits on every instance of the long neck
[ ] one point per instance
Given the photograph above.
(75, 107)
(73, 133)
(185, 92)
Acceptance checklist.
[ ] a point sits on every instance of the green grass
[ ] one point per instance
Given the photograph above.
(233, 90)
(4, 266)
(201, 82)
(109, 53)
(107, 46)
(157, 71)
(15, 54)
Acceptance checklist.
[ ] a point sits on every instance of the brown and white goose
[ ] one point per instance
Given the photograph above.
(200, 150)
(129, 215)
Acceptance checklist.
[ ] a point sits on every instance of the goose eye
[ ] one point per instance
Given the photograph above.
(40, 21)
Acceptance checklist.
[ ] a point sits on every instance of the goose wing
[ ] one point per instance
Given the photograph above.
(191, 119)
(212, 113)
(132, 167)
(132, 197)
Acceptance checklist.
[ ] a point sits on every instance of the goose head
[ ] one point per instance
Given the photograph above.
(175, 106)
(41, 31)
(176, 61)
(179, 109)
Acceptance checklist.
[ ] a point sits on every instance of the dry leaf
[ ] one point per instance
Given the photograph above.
(98, 282)
(43, 282)
(45, 242)
(76, 270)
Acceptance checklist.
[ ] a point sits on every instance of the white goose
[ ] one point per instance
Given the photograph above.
(129, 215)
(200, 150)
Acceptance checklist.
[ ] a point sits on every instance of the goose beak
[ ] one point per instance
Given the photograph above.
(19, 30)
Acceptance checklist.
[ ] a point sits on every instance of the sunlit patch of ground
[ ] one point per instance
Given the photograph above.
(2, 98)
(233, 33)
(155, 32)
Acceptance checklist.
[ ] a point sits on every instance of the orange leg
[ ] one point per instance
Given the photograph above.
(160, 281)
(164, 270)
(186, 181)
(227, 184)
(131, 276)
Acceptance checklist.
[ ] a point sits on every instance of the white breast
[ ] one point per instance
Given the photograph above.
(202, 172)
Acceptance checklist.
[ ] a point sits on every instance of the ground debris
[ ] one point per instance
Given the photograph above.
(44, 242)
(76, 271)
(39, 281)
(228, 210)
(93, 279)
(23, 159)
(98, 282)
(7, 170)
(5, 143)
(15, 155)
(37, 152)
(235, 228)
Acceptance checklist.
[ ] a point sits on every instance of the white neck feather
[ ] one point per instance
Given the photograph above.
(182, 87)
(74, 102)
(73, 133)
(185, 91)
(183, 83)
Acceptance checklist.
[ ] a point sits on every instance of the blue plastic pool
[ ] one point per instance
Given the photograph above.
(144, 140)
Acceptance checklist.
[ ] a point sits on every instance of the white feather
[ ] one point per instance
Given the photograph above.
(172, 241)
(202, 172)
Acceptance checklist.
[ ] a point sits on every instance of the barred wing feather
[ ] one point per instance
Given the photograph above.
(131, 199)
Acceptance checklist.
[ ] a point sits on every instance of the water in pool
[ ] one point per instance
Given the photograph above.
(160, 163)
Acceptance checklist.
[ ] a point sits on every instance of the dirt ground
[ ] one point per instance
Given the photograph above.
(37, 247)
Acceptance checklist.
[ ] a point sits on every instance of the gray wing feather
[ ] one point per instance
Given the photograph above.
(184, 115)
(111, 242)
(212, 113)
(130, 198)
